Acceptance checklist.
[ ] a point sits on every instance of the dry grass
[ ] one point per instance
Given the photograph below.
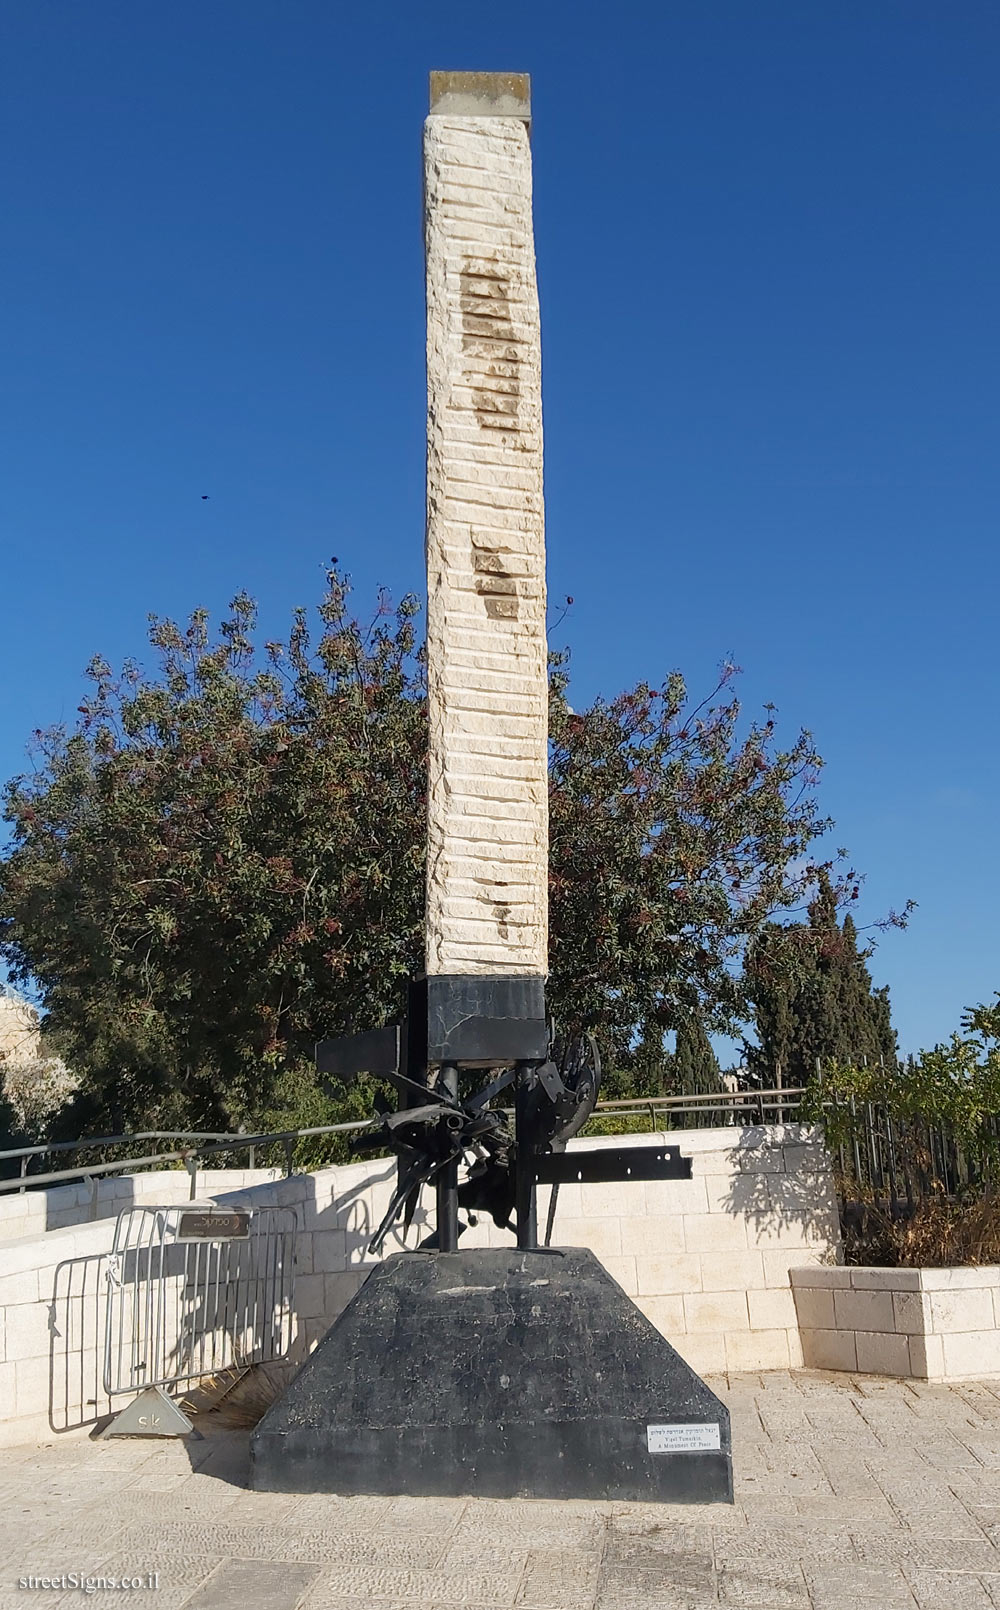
(236, 1400)
(940, 1232)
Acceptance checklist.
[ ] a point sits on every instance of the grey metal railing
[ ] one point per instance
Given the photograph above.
(200, 1146)
(209, 1145)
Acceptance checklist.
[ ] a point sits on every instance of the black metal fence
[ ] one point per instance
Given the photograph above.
(896, 1162)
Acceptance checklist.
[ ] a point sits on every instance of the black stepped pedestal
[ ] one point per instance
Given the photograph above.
(496, 1373)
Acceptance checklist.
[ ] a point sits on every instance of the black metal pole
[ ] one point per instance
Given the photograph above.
(447, 1178)
(524, 1174)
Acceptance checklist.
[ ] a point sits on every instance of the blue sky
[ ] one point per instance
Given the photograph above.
(768, 248)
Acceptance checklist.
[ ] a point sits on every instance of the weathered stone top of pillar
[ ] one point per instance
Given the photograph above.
(481, 95)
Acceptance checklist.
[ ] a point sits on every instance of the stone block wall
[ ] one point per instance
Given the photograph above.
(706, 1259)
(31, 1213)
(931, 1324)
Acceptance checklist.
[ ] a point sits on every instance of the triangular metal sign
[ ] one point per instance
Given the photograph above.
(151, 1414)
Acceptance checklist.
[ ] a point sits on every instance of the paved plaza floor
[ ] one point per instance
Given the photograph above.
(852, 1491)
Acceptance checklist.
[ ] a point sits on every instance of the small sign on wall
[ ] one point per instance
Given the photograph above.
(699, 1437)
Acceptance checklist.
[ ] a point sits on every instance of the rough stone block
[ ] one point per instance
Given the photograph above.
(757, 1350)
(714, 1232)
(864, 1278)
(731, 1271)
(814, 1307)
(602, 1236)
(927, 1357)
(771, 1310)
(864, 1310)
(961, 1310)
(666, 1313)
(882, 1354)
(975, 1353)
(828, 1349)
(670, 1199)
(911, 1311)
(677, 1272)
(705, 1352)
(648, 1237)
(329, 1251)
(716, 1311)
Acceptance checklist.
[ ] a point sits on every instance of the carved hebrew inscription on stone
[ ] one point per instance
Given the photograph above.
(487, 870)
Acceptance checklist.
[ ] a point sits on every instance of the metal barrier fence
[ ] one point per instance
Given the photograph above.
(196, 1290)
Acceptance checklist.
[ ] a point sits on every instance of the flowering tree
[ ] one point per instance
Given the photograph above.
(224, 861)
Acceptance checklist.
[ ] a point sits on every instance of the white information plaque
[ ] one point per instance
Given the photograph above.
(700, 1438)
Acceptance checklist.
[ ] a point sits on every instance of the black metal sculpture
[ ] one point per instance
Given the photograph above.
(444, 1122)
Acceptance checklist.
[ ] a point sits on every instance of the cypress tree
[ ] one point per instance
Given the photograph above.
(814, 1000)
(695, 1066)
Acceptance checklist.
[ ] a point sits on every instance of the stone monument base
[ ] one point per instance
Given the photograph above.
(500, 1374)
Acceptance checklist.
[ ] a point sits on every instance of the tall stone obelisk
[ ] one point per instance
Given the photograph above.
(409, 1391)
(487, 863)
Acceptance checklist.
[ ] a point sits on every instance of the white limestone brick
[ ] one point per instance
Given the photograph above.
(771, 1310)
(26, 1332)
(666, 1313)
(814, 1307)
(911, 1312)
(864, 1310)
(706, 1353)
(31, 1384)
(986, 1274)
(602, 1236)
(621, 1269)
(677, 1273)
(971, 1353)
(872, 1278)
(714, 1232)
(961, 1310)
(757, 1350)
(731, 1271)
(828, 1349)
(622, 1199)
(811, 1269)
(329, 1252)
(879, 1353)
(716, 1311)
(667, 1197)
(648, 1237)
(927, 1357)
(19, 1288)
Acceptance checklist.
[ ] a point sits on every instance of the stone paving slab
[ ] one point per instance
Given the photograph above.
(852, 1491)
